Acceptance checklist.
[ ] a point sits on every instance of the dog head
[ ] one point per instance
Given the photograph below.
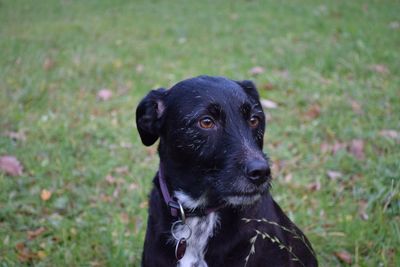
(211, 138)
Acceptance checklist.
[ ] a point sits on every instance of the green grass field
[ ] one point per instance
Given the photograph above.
(333, 68)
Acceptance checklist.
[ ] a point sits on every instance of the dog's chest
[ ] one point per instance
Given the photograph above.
(202, 229)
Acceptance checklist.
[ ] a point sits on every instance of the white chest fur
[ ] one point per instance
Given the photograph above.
(202, 229)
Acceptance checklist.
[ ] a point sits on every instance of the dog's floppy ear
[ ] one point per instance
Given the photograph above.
(149, 116)
(250, 89)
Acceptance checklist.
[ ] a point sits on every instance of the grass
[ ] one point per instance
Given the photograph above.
(332, 66)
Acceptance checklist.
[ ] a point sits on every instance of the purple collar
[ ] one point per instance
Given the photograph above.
(173, 203)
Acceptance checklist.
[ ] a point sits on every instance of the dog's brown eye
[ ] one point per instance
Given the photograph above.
(254, 121)
(206, 123)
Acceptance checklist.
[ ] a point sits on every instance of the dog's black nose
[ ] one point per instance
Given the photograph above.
(257, 171)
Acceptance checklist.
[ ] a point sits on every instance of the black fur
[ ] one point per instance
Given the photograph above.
(214, 164)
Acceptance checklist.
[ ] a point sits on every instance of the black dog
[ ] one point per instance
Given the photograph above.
(212, 164)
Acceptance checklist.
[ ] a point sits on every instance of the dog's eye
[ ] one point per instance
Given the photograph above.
(254, 121)
(206, 123)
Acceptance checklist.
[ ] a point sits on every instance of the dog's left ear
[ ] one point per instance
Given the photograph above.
(149, 116)
(250, 89)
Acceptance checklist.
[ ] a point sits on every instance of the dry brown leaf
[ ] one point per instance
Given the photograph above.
(116, 192)
(41, 254)
(313, 111)
(288, 178)
(45, 195)
(356, 107)
(144, 204)
(284, 74)
(268, 104)
(48, 64)
(133, 186)
(315, 186)
(334, 175)
(17, 136)
(151, 150)
(24, 253)
(106, 198)
(256, 70)
(390, 134)
(124, 217)
(111, 179)
(122, 170)
(268, 86)
(35, 233)
(104, 94)
(10, 165)
(344, 256)
(326, 148)
(357, 149)
(139, 68)
(338, 146)
(379, 68)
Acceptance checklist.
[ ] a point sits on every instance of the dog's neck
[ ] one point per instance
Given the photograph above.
(176, 203)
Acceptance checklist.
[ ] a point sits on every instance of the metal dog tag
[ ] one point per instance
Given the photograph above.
(180, 249)
(181, 232)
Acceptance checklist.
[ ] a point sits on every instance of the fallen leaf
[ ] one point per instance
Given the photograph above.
(326, 148)
(104, 94)
(356, 107)
(48, 64)
(338, 146)
(116, 192)
(122, 170)
(151, 150)
(45, 195)
(379, 68)
(390, 134)
(117, 64)
(357, 149)
(362, 209)
(41, 254)
(10, 165)
(35, 233)
(288, 178)
(20, 136)
(234, 16)
(344, 256)
(111, 179)
(313, 111)
(394, 25)
(133, 186)
(256, 70)
(96, 264)
(144, 205)
(315, 186)
(139, 68)
(268, 86)
(24, 253)
(124, 217)
(268, 104)
(334, 175)
(284, 74)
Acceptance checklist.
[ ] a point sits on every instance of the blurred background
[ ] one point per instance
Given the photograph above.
(75, 177)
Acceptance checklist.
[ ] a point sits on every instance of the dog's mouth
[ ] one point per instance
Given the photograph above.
(242, 198)
(243, 194)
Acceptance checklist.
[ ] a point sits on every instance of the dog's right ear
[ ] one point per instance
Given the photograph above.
(250, 89)
(149, 116)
